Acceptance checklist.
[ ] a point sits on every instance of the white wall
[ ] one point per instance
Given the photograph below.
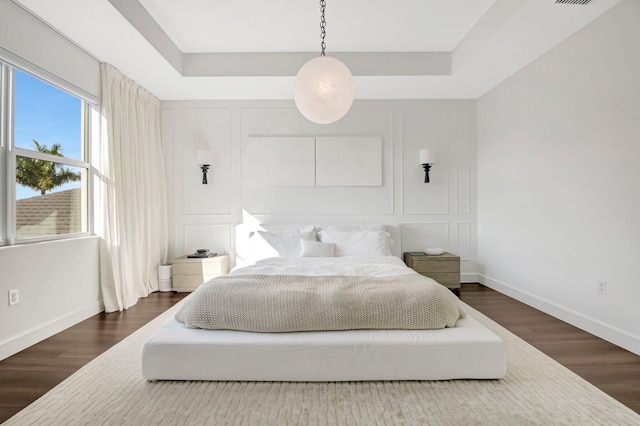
(558, 179)
(58, 280)
(438, 214)
(58, 284)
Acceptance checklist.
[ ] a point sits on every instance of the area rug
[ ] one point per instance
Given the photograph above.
(536, 391)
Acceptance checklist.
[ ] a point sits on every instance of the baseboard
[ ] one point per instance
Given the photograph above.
(28, 338)
(468, 277)
(604, 331)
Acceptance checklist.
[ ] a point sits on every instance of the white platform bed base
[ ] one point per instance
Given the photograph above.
(467, 351)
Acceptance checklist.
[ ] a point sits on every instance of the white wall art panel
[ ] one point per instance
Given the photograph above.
(216, 238)
(206, 129)
(371, 121)
(348, 161)
(279, 162)
(418, 236)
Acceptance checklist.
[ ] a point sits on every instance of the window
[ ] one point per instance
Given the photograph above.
(43, 151)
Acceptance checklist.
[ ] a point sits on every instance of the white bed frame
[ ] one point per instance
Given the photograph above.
(467, 351)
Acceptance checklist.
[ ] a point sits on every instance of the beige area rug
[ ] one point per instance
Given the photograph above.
(537, 391)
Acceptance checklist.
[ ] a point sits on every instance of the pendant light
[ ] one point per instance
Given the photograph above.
(323, 89)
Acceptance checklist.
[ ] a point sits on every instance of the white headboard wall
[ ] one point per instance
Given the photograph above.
(389, 190)
(243, 248)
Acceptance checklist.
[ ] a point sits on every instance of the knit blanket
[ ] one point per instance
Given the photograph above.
(289, 303)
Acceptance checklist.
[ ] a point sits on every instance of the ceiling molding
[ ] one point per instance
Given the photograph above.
(509, 35)
(144, 23)
(287, 64)
(277, 64)
(500, 12)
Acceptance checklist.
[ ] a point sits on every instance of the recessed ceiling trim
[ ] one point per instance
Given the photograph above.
(500, 12)
(286, 64)
(276, 64)
(144, 23)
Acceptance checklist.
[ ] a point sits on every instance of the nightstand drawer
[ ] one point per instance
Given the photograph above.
(197, 268)
(436, 266)
(190, 273)
(191, 281)
(445, 268)
(448, 279)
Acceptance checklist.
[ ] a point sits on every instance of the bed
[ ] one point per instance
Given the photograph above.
(264, 349)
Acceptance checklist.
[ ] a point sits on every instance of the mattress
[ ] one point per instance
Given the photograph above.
(467, 351)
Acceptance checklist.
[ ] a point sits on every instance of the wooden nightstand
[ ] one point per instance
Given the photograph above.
(189, 273)
(444, 268)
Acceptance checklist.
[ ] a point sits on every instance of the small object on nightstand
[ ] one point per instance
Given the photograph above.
(433, 251)
(201, 255)
(416, 253)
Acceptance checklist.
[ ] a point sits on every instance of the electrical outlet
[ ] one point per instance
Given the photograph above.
(602, 287)
(14, 297)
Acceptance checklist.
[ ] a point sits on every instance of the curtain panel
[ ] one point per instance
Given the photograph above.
(129, 190)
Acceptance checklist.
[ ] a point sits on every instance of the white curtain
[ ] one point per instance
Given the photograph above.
(130, 191)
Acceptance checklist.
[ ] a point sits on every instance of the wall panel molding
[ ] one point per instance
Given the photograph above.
(429, 213)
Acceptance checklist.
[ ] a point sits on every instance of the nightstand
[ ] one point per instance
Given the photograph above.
(189, 273)
(444, 268)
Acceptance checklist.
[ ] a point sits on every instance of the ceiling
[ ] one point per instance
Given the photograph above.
(251, 49)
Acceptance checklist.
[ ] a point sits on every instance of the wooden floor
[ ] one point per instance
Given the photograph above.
(612, 369)
(29, 374)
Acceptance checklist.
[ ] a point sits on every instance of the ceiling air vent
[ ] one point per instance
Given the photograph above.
(573, 1)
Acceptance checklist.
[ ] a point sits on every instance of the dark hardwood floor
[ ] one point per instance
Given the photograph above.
(612, 369)
(29, 374)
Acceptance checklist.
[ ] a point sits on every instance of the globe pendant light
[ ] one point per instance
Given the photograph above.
(323, 89)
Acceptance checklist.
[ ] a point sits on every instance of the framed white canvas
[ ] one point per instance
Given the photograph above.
(279, 161)
(348, 161)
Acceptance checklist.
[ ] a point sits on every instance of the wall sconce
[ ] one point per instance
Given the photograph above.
(427, 158)
(205, 158)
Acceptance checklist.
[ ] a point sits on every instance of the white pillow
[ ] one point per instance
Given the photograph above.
(351, 228)
(359, 243)
(286, 228)
(280, 244)
(317, 249)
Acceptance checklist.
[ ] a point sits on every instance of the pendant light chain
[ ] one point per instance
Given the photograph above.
(323, 24)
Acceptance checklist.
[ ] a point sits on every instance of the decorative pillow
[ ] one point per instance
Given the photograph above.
(280, 244)
(317, 249)
(359, 243)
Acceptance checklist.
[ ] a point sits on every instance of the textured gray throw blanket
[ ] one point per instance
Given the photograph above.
(287, 303)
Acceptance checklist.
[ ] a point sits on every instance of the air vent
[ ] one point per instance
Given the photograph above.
(573, 1)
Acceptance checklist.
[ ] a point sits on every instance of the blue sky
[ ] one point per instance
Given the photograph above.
(48, 115)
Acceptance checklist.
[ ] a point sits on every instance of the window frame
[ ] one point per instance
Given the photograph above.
(4, 166)
(8, 153)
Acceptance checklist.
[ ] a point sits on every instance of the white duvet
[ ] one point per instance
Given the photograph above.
(373, 266)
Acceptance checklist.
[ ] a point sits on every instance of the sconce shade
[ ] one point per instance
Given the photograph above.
(324, 90)
(204, 157)
(427, 157)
